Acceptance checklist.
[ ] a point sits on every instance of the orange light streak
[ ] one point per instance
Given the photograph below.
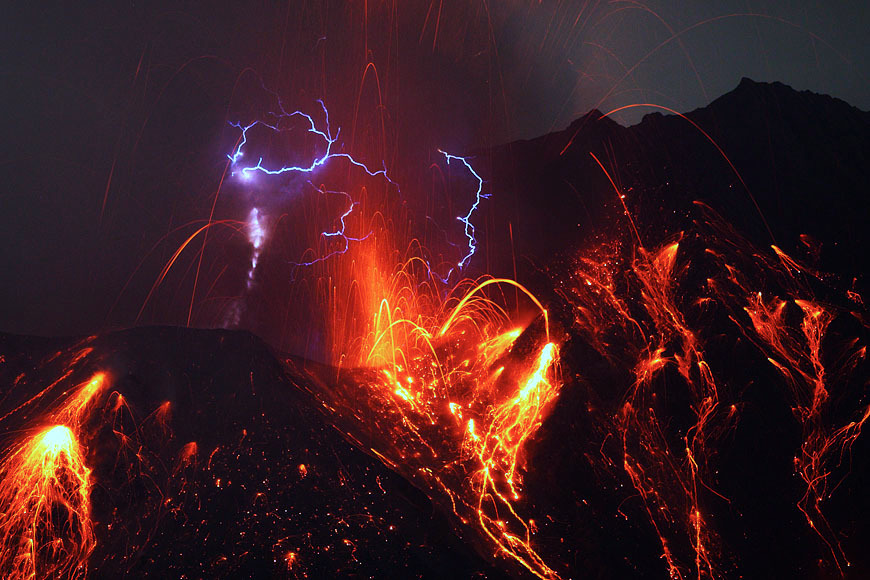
(45, 519)
(447, 402)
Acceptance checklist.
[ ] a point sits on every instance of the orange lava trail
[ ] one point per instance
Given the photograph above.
(650, 462)
(799, 360)
(440, 389)
(45, 516)
(796, 352)
(646, 313)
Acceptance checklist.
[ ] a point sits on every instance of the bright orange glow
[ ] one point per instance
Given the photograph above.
(45, 520)
(56, 439)
(452, 404)
(45, 525)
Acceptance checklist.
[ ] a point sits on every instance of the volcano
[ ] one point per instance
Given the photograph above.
(218, 464)
(686, 399)
(775, 162)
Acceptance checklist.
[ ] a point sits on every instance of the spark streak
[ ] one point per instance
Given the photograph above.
(45, 519)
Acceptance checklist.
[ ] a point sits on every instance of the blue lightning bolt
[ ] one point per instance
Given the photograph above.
(466, 219)
(339, 233)
(329, 140)
(326, 135)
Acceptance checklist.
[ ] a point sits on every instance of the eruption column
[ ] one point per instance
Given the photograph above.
(256, 235)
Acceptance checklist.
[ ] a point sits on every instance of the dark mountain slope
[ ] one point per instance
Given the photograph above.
(804, 159)
(214, 464)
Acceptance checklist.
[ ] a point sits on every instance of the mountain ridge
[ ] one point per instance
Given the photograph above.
(802, 158)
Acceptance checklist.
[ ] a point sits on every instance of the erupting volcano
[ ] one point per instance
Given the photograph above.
(370, 347)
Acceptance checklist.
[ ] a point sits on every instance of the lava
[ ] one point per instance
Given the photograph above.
(640, 313)
(45, 515)
(454, 396)
(447, 380)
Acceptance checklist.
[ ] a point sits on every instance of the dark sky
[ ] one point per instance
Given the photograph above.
(115, 114)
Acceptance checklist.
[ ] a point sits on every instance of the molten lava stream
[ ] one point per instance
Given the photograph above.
(646, 312)
(45, 515)
(448, 398)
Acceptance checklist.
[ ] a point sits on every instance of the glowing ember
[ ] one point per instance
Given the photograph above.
(454, 406)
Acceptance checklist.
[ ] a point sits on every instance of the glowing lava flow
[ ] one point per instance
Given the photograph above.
(656, 336)
(45, 520)
(796, 353)
(497, 450)
(452, 392)
(445, 387)
(639, 313)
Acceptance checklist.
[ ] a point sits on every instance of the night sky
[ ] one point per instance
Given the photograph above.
(448, 288)
(116, 115)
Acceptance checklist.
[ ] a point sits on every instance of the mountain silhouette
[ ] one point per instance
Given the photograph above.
(775, 162)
